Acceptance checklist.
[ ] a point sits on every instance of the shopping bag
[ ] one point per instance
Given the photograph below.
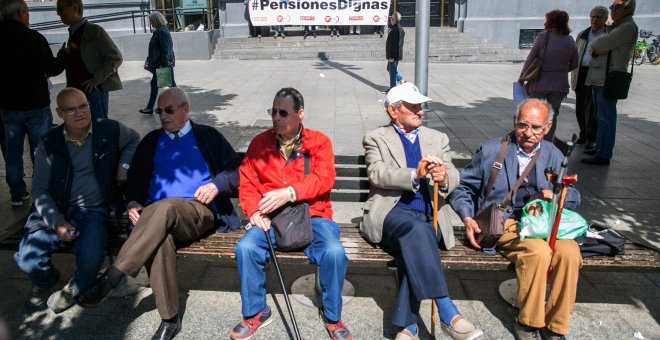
(164, 77)
(535, 222)
(519, 92)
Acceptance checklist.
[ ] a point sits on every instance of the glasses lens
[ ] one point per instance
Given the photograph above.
(169, 110)
(615, 7)
(282, 113)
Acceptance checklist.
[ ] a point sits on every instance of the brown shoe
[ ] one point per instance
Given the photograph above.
(461, 329)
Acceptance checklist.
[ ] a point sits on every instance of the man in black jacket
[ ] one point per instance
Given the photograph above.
(394, 49)
(26, 62)
(178, 190)
(78, 168)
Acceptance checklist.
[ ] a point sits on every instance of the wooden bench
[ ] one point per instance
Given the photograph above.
(352, 185)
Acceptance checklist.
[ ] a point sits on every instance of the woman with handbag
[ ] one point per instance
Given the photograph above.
(553, 56)
(161, 55)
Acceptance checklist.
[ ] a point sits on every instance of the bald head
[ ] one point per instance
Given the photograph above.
(67, 93)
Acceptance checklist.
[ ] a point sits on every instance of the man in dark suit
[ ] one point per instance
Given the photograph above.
(178, 189)
(531, 257)
(398, 214)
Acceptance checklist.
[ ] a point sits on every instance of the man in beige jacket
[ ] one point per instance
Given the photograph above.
(94, 58)
(617, 46)
(398, 213)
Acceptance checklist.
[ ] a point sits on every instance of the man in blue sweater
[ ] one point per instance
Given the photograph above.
(178, 190)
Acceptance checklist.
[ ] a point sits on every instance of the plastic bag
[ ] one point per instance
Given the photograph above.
(535, 222)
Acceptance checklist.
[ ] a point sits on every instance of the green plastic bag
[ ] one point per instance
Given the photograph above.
(571, 225)
(164, 77)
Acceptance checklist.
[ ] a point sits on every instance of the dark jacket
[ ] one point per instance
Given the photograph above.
(106, 153)
(220, 157)
(26, 62)
(394, 43)
(161, 52)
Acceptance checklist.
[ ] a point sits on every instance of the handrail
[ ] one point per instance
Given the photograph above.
(139, 14)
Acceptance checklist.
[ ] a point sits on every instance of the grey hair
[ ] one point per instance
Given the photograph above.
(180, 94)
(9, 9)
(602, 10)
(157, 19)
(397, 15)
(631, 5)
(537, 103)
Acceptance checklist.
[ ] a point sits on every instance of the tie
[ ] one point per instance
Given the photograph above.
(176, 135)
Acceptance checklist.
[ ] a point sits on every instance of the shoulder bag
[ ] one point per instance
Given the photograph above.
(617, 83)
(601, 240)
(533, 72)
(292, 223)
(490, 218)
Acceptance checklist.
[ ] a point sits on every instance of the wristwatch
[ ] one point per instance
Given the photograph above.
(125, 166)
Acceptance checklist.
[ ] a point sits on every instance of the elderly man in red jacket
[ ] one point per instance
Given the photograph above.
(273, 174)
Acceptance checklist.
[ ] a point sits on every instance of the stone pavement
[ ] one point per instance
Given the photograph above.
(344, 100)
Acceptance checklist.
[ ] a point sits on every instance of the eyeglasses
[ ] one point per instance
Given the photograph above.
(614, 7)
(70, 111)
(524, 126)
(169, 110)
(273, 112)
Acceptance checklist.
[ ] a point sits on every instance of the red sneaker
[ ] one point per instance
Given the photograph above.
(337, 331)
(246, 328)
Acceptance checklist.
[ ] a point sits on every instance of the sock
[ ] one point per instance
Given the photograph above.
(114, 275)
(266, 310)
(446, 309)
(173, 319)
(412, 328)
(329, 321)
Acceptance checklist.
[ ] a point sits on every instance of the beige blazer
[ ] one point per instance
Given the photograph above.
(620, 40)
(390, 177)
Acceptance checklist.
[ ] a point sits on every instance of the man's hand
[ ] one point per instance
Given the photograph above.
(545, 194)
(66, 232)
(134, 209)
(391, 60)
(471, 228)
(122, 174)
(88, 86)
(260, 220)
(436, 168)
(272, 200)
(206, 193)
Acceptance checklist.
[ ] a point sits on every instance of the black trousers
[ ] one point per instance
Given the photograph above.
(585, 111)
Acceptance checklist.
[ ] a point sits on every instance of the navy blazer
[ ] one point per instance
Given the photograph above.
(468, 197)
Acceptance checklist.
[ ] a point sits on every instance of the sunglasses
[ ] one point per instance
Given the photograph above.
(70, 111)
(615, 7)
(169, 110)
(273, 112)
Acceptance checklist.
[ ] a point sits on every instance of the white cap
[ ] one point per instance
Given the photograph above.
(408, 93)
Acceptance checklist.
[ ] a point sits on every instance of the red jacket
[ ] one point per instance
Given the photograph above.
(264, 169)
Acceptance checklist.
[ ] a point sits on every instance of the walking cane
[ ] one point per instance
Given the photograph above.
(421, 169)
(559, 190)
(286, 296)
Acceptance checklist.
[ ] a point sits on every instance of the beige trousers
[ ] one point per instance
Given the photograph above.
(532, 259)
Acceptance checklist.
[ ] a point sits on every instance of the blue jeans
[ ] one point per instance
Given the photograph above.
(326, 251)
(394, 74)
(37, 248)
(154, 89)
(17, 123)
(98, 104)
(279, 29)
(606, 117)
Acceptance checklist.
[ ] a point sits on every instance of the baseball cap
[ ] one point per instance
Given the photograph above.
(408, 93)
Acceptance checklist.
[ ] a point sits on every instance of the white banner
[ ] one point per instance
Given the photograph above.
(318, 12)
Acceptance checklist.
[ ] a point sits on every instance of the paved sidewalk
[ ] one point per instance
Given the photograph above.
(344, 100)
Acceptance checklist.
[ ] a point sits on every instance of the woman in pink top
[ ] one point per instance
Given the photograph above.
(559, 58)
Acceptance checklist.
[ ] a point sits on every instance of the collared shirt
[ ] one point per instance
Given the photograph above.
(178, 134)
(587, 57)
(74, 27)
(412, 136)
(77, 142)
(287, 149)
(524, 158)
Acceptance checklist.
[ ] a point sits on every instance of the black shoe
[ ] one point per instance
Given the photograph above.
(62, 299)
(581, 140)
(547, 334)
(146, 111)
(590, 152)
(167, 330)
(96, 293)
(17, 201)
(590, 145)
(523, 332)
(595, 160)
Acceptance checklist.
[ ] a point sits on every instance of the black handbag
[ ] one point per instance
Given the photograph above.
(617, 83)
(292, 223)
(608, 242)
(490, 218)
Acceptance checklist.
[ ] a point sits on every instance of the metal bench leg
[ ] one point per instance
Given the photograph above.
(307, 290)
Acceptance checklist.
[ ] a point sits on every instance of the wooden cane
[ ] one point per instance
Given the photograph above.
(566, 182)
(421, 169)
